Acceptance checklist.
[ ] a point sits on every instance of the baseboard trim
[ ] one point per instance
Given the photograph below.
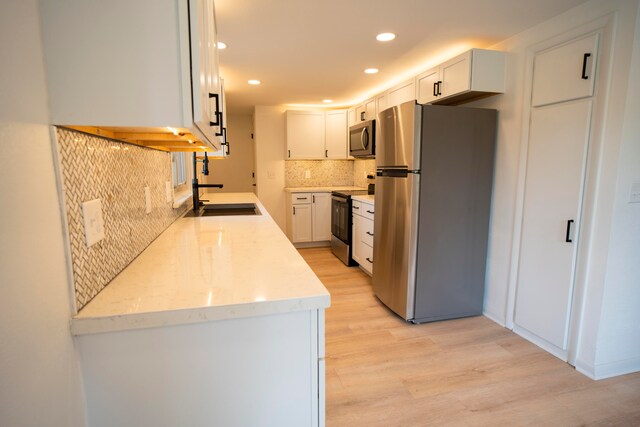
(608, 370)
(494, 318)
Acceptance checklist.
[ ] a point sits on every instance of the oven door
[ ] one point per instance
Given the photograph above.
(340, 218)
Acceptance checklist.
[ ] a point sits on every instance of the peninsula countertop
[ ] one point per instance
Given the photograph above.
(207, 268)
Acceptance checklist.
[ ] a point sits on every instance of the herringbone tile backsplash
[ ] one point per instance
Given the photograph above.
(92, 167)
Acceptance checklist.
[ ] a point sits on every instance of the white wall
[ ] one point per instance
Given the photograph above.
(235, 171)
(609, 319)
(39, 374)
(269, 127)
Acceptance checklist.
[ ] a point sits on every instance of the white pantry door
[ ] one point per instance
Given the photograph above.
(558, 140)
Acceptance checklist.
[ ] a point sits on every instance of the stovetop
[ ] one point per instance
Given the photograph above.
(349, 193)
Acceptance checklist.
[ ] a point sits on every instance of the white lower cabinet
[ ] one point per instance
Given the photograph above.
(362, 233)
(309, 217)
(209, 373)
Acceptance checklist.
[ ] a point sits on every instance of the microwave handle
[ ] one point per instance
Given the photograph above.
(364, 138)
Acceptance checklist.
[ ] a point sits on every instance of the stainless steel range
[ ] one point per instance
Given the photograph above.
(341, 221)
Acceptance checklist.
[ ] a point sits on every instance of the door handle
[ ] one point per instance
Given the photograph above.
(435, 88)
(568, 236)
(369, 233)
(584, 66)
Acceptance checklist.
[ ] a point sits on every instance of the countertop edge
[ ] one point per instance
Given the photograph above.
(133, 321)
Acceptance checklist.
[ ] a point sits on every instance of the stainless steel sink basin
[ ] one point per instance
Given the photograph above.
(228, 209)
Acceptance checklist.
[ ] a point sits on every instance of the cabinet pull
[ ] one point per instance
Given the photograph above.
(326, 153)
(568, 236)
(368, 211)
(370, 260)
(289, 153)
(355, 207)
(369, 233)
(439, 87)
(301, 198)
(435, 88)
(362, 116)
(313, 199)
(217, 114)
(584, 66)
(294, 210)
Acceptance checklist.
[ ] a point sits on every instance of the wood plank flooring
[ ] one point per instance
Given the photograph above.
(381, 371)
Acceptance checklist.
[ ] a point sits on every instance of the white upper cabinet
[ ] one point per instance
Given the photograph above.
(336, 134)
(131, 64)
(366, 111)
(473, 74)
(305, 135)
(400, 94)
(316, 134)
(565, 72)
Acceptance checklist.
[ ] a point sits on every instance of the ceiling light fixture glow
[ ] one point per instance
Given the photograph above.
(385, 37)
(254, 82)
(327, 101)
(371, 70)
(222, 45)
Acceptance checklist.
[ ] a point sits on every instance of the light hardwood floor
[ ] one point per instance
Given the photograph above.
(381, 371)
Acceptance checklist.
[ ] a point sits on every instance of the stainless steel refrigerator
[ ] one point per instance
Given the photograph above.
(433, 195)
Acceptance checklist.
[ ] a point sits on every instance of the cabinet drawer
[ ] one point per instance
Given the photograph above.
(367, 231)
(366, 210)
(356, 207)
(300, 198)
(367, 259)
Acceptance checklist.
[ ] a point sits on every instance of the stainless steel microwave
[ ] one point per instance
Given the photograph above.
(362, 139)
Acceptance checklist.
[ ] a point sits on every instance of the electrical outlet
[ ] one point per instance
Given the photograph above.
(147, 199)
(634, 194)
(93, 222)
(168, 189)
(271, 175)
(307, 174)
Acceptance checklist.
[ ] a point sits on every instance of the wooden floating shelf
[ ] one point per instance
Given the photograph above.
(158, 138)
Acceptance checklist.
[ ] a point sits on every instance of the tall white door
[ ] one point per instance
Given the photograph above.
(321, 216)
(559, 133)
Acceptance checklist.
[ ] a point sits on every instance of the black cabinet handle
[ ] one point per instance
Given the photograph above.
(435, 88)
(294, 210)
(326, 153)
(313, 199)
(369, 233)
(568, 236)
(584, 66)
(355, 207)
(370, 260)
(289, 153)
(218, 114)
(371, 212)
(362, 116)
(439, 87)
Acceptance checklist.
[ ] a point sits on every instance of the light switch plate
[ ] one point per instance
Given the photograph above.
(93, 222)
(147, 199)
(168, 191)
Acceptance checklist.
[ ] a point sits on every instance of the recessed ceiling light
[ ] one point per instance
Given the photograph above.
(222, 45)
(385, 37)
(371, 70)
(254, 82)
(327, 101)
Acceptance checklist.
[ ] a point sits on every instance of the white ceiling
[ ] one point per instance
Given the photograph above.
(305, 51)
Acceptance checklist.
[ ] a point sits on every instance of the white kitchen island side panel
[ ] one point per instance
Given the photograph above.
(256, 371)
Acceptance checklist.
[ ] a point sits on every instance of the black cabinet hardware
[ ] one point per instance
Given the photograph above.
(439, 87)
(369, 233)
(289, 153)
(313, 199)
(294, 210)
(370, 260)
(217, 114)
(584, 66)
(326, 153)
(371, 212)
(435, 88)
(362, 116)
(355, 207)
(568, 236)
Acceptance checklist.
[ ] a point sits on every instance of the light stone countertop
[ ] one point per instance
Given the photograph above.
(319, 189)
(207, 268)
(367, 198)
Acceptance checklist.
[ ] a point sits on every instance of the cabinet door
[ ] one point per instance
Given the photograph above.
(356, 250)
(370, 109)
(361, 113)
(455, 75)
(321, 216)
(427, 86)
(351, 114)
(301, 224)
(565, 72)
(381, 103)
(336, 134)
(558, 140)
(402, 93)
(305, 135)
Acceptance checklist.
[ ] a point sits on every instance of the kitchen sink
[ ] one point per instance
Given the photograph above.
(228, 209)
